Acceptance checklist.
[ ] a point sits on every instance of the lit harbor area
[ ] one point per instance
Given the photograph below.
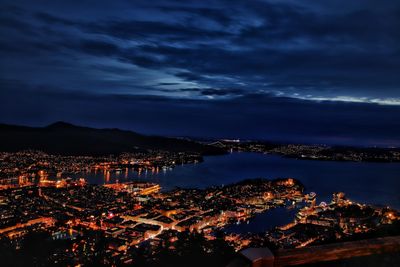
(35, 167)
(136, 216)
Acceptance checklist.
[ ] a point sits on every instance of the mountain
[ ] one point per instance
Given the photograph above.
(68, 139)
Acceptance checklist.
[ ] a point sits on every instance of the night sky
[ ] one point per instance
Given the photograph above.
(285, 70)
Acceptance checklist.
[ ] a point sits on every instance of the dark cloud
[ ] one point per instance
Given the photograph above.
(13, 23)
(52, 20)
(99, 48)
(214, 14)
(190, 76)
(231, 92)
(148, 30)
(166, 83)
(222, 92)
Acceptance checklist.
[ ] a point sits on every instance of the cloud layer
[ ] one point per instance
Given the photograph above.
(281, 47)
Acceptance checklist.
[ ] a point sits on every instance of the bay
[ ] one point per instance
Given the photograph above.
(364, 182)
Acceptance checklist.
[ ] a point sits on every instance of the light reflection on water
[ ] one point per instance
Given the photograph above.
(366, 182)
(264, 221)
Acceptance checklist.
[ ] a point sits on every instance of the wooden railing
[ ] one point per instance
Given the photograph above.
(263, 257)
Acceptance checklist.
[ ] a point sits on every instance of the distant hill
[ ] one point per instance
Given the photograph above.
(67, 139)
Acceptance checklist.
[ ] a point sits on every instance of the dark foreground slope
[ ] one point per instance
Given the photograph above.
(67, 139)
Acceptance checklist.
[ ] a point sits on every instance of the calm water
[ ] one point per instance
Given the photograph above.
(373, 183)
(264, 221)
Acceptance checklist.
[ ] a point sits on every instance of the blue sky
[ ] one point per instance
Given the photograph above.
(320, 54)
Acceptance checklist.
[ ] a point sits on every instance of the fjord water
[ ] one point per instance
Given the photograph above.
(365, 182)
(264, 221)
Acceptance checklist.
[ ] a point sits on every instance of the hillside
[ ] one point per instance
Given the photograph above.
(67, 139)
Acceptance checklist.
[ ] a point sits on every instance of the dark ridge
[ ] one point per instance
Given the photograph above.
(61, 125)
(68, 139)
